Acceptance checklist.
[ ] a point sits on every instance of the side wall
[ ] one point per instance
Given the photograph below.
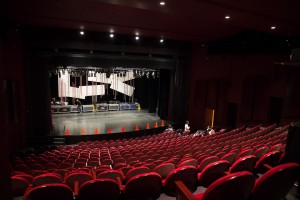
(248, 82)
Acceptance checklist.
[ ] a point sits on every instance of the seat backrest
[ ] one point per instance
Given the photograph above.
(236, 186)
(135, 171)
(188, 162)
(57, 191)
(230, 157)
(19, 185)
(276, 183)
(105, 189)
(164, 169)
(186, 174)
(143, 186)
(246, 163)
(243, 153)
(261, 151)
(46, 179)
(81, 177)
(213, 172)
(270, 158)
(111, 174)
(207, 161)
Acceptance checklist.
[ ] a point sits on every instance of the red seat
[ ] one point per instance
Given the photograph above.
(188, 162)
(230, 157)
(46, 178)
(135, 171)
(81, 177)
(213, 172)
(110, 174)
(236, 186)
(207, 161)
(57, 191)
(246, 163)
(143, 186)
(270, 158)
(276, 183)
(105, 189)
(19, 185)
(186, 174)
(164, 169)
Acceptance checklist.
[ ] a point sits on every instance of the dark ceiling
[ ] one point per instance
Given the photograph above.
(188, 20)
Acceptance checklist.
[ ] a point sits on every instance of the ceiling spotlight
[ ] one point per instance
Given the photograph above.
(111, 35)
(273, 27)
(137, 37)
(162, 3)
(227, 17)
(81, 32)
(161, 40)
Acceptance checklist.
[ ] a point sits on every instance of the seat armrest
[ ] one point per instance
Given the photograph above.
(182, 192)
(120, 184)
(268, 167)
(76, 188)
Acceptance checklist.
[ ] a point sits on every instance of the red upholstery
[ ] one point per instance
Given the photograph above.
(276, 183)
(81, 177)
(246, 163)
(46, 179)
(135, 171)
(188, 162)
(19, 185)
(143, 186)
(186, 174)
(230, 157)
(110, 174)
(105, 189)
(236, 186)
(213, 172)
(57, 191)
(207, 161)
(164, 169)
(270, 158)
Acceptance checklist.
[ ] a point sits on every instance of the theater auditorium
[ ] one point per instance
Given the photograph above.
(136, 99)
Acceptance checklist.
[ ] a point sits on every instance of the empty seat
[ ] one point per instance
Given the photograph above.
(230, 157)
(57, 191)
(276, 183)
(188, 162)
(164, 169)
(236, 186)
(143, 186)
(206, 161)
(46, 179)
(246, 163)
(19, 185)
(110, 174)
(135, 171)
(186, 174)
(81, 177)
(105, 189)
(270, 158)
(213, 172)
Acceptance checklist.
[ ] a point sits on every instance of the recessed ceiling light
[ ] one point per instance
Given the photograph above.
(111, 35)
(161, 40)
(162, 3)
(81, 32)
(227, 17)
(273, 27)
(137, 37)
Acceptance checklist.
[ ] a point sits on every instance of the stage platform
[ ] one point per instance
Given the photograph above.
(93, 123)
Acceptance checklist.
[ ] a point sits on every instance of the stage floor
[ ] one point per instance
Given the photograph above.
(76, 122)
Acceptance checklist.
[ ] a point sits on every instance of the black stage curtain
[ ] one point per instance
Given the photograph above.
(164, 89)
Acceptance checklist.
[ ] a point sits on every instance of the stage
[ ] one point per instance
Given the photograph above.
(92, 123)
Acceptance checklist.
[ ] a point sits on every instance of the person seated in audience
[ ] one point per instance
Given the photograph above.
(187, 127)
(170, 128)
(210, 131)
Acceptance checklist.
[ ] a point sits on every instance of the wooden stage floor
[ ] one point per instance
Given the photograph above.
(102, 121)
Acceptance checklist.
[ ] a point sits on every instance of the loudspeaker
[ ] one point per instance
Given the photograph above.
(292, 149)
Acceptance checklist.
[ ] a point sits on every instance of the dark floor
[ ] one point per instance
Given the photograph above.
(114, 120)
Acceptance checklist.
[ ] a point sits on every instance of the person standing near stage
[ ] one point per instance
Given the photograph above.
(79, 107)
(187, 127)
